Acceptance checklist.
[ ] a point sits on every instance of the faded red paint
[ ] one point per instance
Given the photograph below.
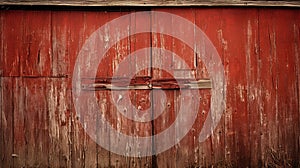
(260, 52)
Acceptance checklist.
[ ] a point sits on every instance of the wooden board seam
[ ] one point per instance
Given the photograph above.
(149, 3)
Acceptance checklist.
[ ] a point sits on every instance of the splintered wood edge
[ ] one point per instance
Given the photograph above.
(149, 3)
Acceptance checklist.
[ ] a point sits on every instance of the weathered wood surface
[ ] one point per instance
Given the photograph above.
(260, 126)
(289, 3)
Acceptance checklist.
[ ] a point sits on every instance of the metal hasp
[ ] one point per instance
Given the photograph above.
(144, 83)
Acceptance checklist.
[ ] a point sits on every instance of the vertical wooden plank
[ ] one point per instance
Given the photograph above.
(280, 91)
(158, 58)
(103, 98)
(181, 48)
(19, 128)
(68, 36)
(59, 40)
(212, 151)
(67, 40)
(30, 123)
(297, 49)
(36, 122)
(162, 41)
(185, 154)
(1, 126)
(121, 124)
(292, 116)
(209, 152)
(141, 99)
(36, 48)
(118, 53)
(186, 151)
(1, 43)
(89, 152)
(1, 130)
(72, 36)
(77, 152)
(103, 155)
(94, 153)
(90, 24)
(58, 105)
(253, 68)
(288, 117)
(7, 122)
(12, 35)
(62, 42)
(269, 86)
(107, 69)
(237, 140)
(168, 107)
(140, 41)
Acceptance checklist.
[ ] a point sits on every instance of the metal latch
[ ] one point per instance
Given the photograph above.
(145, 84)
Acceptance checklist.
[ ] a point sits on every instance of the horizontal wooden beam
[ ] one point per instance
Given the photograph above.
(243, 3)
(171, 84)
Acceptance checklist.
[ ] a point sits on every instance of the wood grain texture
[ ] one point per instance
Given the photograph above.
(7, 121)
(259, 48)
(236, 122)
(58, 95)
(11, 54)
(279, 104)
(36, 122)
(36, 54)
(288, 3)
(212, 151)
(19, 113)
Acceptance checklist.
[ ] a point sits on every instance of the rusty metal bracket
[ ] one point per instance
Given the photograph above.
(165, 84)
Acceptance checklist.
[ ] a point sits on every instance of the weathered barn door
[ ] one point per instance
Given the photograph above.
(70, 80)
(144, 80)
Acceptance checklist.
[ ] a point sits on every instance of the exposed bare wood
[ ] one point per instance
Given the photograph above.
(259, 48)
(167, 85)
(287, 3)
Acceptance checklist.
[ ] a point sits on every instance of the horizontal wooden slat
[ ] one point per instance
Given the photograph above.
(287, 3)
(166, 85)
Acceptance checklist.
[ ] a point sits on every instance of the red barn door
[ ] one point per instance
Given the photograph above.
(62, 72)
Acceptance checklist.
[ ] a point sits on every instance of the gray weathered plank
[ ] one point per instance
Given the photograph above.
(289, 3)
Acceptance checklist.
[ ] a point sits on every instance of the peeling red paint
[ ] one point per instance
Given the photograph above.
(260, 53)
